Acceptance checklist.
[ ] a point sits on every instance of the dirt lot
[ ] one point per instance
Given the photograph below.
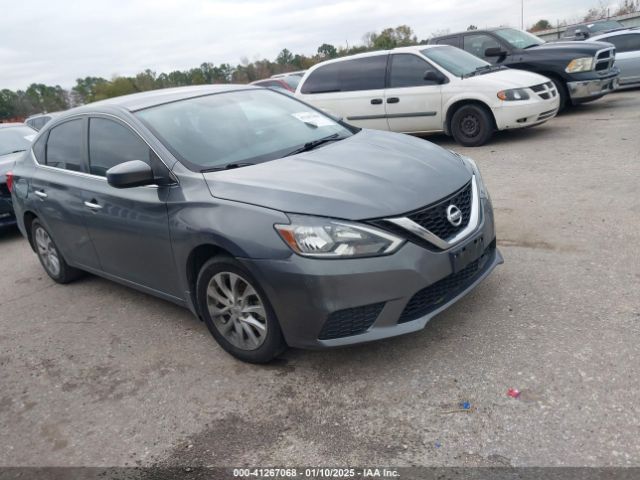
(97, 374)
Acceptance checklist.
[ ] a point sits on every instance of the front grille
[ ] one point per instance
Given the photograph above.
(545, 90)
(434, 217)
(546, 115)
(350, 321)
(605, 60)
(439, 293)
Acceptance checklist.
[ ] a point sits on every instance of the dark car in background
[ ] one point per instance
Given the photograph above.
(587, 30)
(272, 221)
(581, 71)
(15, 139)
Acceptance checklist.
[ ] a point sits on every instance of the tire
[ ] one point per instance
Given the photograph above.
(50, 257)
(562, 93)
(471, 125)
(224, 291)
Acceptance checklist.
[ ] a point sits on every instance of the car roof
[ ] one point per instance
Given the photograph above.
(152, 98)
(411, 49)
(493, 29)
(13, 124)
(617, 31)
(48, 114)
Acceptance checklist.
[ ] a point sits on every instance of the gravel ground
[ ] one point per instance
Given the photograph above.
(96, 374)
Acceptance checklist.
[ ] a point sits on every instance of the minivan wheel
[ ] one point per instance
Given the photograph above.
(49, 255)
(237, 312)
(471, 126)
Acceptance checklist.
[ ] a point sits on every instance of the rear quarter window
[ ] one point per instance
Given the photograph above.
(65, 146)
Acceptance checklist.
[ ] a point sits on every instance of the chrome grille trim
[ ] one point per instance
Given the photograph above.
(418, 230)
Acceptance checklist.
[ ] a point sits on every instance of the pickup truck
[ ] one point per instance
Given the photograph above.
(581, 71)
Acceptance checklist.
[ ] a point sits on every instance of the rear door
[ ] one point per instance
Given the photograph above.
(56, 188)
(412, 103)
(352, 89)
(129, 226)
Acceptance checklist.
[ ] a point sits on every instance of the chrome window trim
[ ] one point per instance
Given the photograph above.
(420, 231)
(90, 175)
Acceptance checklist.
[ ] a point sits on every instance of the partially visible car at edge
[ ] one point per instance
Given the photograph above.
(15, 139)
(584, 31)
(429, 88)
(40, 120)
(271, 221)
(581, 71)
(283, 82)
(627, 43)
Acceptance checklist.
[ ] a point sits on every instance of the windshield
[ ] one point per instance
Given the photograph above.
(606, 25)
(518, 38)
(247, 126)
(15, 139)
(454, 60)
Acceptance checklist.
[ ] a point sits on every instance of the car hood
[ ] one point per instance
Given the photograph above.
(6, 164)
(507, 78)
(371, 174)
(572, 49)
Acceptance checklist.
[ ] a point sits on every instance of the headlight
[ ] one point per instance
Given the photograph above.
(584, 64)
(513, 94)
(326, 238)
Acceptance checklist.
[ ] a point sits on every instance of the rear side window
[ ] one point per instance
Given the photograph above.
(64, 146)
(39, 149)
(348, 76)
(624, 43)
(408, 71)
(478, 44)
(111, 144)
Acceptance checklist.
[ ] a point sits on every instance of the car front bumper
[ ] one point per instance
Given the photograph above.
(512, 115)
(308, 293)
(586, 90)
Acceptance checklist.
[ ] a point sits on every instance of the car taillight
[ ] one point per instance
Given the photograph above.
(9, 176)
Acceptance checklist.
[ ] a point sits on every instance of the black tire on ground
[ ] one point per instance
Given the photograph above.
(272, 342)
(50, 257)
(471, 125)
(561, 87)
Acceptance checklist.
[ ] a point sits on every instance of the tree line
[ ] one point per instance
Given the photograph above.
(39, 98)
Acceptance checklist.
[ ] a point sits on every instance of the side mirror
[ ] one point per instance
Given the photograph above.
(494, 52)
(434, 77)
(134, 173)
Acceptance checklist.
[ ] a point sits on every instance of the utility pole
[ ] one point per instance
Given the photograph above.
(522, 14)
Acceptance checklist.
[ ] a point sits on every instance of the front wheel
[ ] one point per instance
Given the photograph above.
(471, 126)
(561, 88)
(237, 312)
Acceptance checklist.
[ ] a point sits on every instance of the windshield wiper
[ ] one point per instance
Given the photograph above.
(228, 166)
(314, 144)
(484, 69)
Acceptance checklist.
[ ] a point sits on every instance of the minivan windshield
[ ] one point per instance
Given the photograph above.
(238, 128)
(518, 38)
(15, 139)
(455, 60)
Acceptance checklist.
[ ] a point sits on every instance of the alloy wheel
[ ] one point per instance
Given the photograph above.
(237, 311)
(47, 251)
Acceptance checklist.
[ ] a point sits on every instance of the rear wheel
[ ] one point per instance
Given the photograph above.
(471, 125)
(237, 312)
(50, 257)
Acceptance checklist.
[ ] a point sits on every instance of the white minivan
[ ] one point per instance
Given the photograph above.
(429, 88)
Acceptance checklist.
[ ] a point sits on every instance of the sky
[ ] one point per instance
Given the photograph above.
(55, 42)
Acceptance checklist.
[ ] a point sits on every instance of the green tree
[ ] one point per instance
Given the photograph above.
(285, 57)
(471, 27)
(541, 25)
(628, 6)
(327, 50)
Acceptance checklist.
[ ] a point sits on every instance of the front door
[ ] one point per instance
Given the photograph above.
(129, 226)
(412, 103)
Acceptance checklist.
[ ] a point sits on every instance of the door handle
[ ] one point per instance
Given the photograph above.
(376, 101)
(393, 100)
(92, 205)
(41, 194)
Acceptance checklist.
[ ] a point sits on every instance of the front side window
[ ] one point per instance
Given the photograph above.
(64, 146)
(453, 60)
(477, 44)
(453, 41)
(518, 38)
(245, 126)
(111, 144)
(409, 71)
(624, 43)
(366, 73)
(15, 139)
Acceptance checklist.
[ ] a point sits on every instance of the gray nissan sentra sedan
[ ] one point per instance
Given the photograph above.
(273, 222)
